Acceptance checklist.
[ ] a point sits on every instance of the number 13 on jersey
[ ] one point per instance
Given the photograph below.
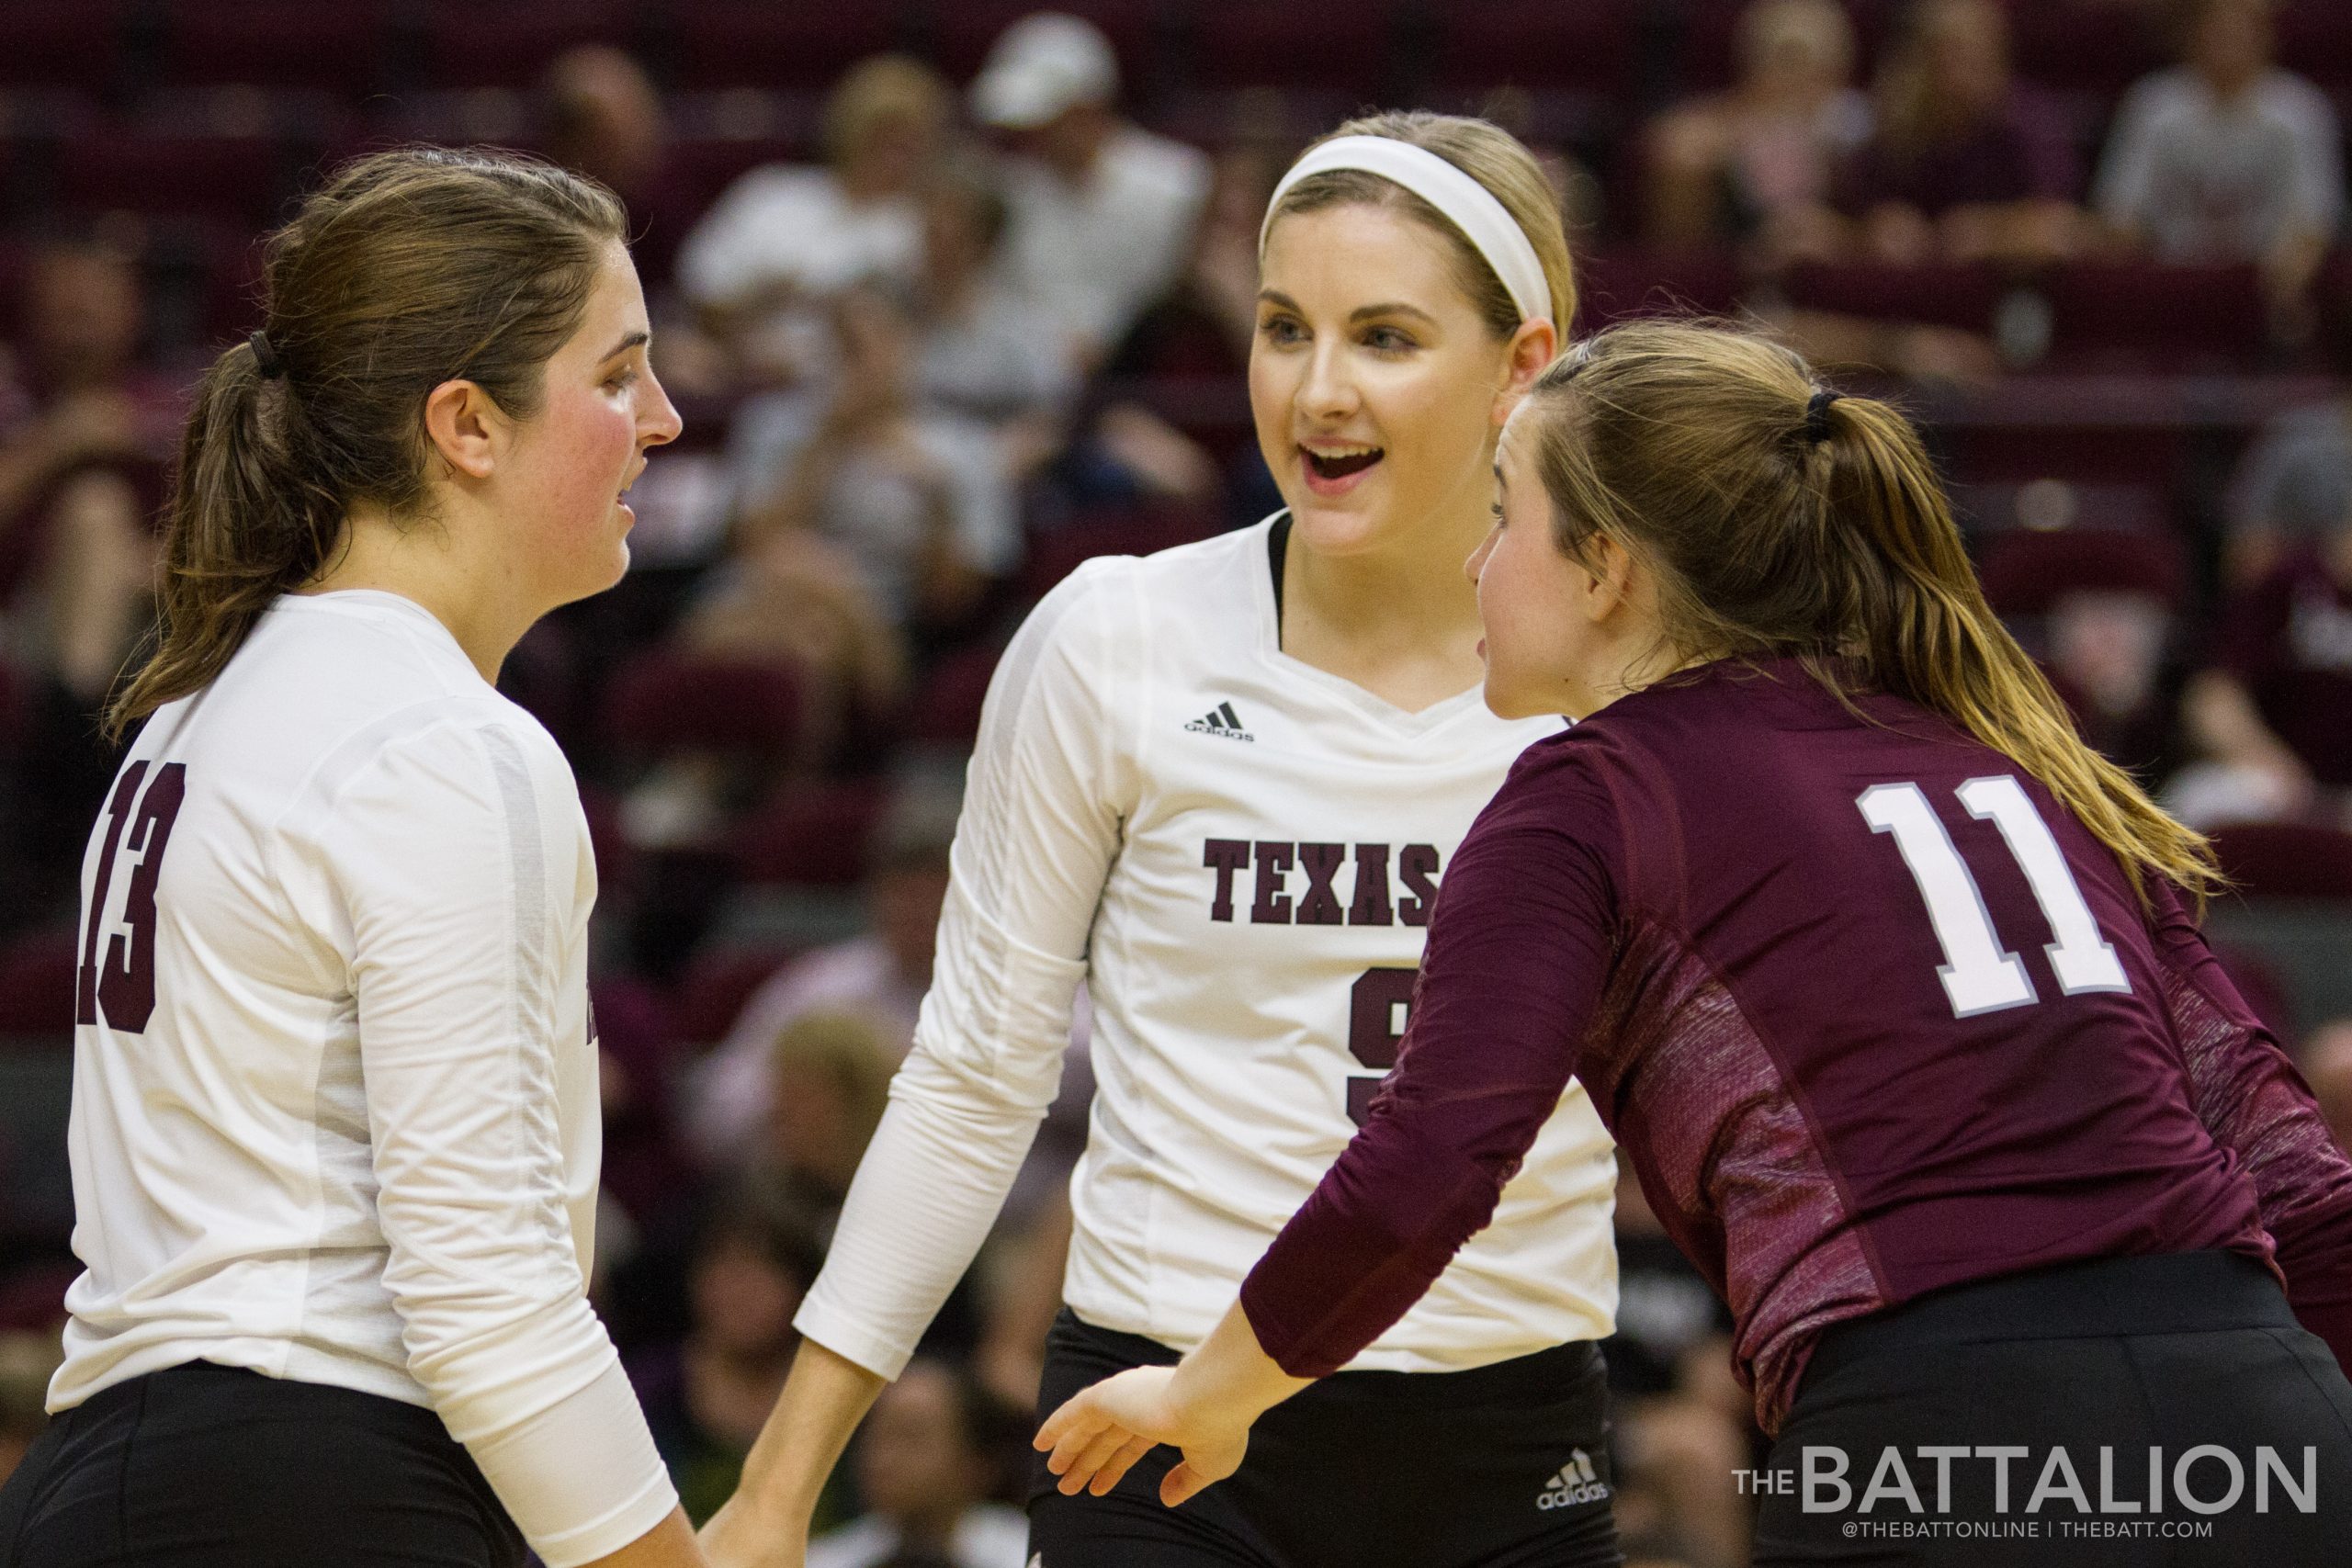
(116, 981)
(1978, 972)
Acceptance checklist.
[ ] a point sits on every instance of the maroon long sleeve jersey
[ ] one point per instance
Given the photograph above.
(1871, 1014)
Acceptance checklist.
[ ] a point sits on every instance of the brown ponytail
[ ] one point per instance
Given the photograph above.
(410, 268)
(1777, 524)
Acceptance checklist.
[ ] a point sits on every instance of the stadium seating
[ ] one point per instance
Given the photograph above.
(665, 702)
(78, 44)
(345, 46)
(815, 837)
(757, 43)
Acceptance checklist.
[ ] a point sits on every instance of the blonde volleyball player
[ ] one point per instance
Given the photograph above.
(1222, 784)
(334, 1137)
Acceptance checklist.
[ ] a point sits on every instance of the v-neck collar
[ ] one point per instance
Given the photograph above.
(1268, 594)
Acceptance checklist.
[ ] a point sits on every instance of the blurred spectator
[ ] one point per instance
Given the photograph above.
(880, 977)
(2097, 608)
(1677, 1492)
(1755, 164)
(922, 501)
(933, 1453)
(1103, 212)
(84, 429)
(1203, 324)
(982, 350)
(28, 1361)
(829, 1076)
(603, 117)
(2327, 1063)
(706, 1396)
(83, 432)
(1964, 163)
(2273, 714)
(2293, 486)
(2227, 158)
(784, 237)
(794, 598)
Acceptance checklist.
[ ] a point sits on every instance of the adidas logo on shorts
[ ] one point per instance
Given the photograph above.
(1221, 721)
(1575, 1484)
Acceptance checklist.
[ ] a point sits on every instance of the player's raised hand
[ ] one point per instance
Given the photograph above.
(1097, 1436)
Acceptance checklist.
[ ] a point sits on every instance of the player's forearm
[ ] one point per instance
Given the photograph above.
(1229, 1377)
(824, 1398)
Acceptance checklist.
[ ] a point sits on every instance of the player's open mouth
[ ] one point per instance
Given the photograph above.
(1333, 470)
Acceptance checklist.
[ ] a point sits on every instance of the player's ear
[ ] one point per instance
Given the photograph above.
(1607, 574)
(465, 428)
(1532, 347)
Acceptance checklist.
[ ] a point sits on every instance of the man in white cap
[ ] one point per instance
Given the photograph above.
(1103, 212)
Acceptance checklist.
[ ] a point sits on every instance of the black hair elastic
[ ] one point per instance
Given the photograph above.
(1816, 415)
(265, 358)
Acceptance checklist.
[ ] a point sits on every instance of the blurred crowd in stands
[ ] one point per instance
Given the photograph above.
(952, 298)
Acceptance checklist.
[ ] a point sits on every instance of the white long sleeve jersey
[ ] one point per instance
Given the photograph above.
(334, 1080)
(1238, 853)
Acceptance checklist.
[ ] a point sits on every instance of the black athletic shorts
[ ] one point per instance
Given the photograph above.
(2180, 1381)
(215, 1467)
(1505, 1466)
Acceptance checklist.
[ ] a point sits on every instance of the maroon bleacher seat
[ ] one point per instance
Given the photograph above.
(759, 43)
(602, 807)
(1619, 284)
(62, 44)
(467, 44)
(717, 985)
(816, 836)
(2027, 571)
(2076, 47)
(234, 179)
(1055, 553)
(2315, 41)
(231, 259)
(2137, 315)
(2260, 985)
(1344, 45)
(36, 986)
(664, 702)
(1962, 297)
(2286, 860)
(946, 711)
(1591, 46)
(340, 47)
(33, 1299)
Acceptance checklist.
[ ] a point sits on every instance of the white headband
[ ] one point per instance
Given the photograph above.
(1463, 201)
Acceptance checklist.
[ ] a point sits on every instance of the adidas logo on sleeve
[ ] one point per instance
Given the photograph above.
(1573, 1485)
(1221, 721)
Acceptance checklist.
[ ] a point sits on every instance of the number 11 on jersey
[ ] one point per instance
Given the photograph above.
(1978, 972)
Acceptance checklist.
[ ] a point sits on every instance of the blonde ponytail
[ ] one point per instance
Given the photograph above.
(1777, 525)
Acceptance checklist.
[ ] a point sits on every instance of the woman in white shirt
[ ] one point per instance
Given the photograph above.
(1221, 784)
(335, 1137)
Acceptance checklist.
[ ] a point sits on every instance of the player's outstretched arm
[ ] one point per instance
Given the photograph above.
(765, 1524)
(1203, 1405)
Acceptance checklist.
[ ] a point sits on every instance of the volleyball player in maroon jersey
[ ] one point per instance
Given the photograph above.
(1887, 984)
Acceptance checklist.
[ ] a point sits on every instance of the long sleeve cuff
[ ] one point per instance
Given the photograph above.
(581, 1479)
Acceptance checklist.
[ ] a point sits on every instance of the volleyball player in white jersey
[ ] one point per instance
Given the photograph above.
(335, 1135)
(1221, 784)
